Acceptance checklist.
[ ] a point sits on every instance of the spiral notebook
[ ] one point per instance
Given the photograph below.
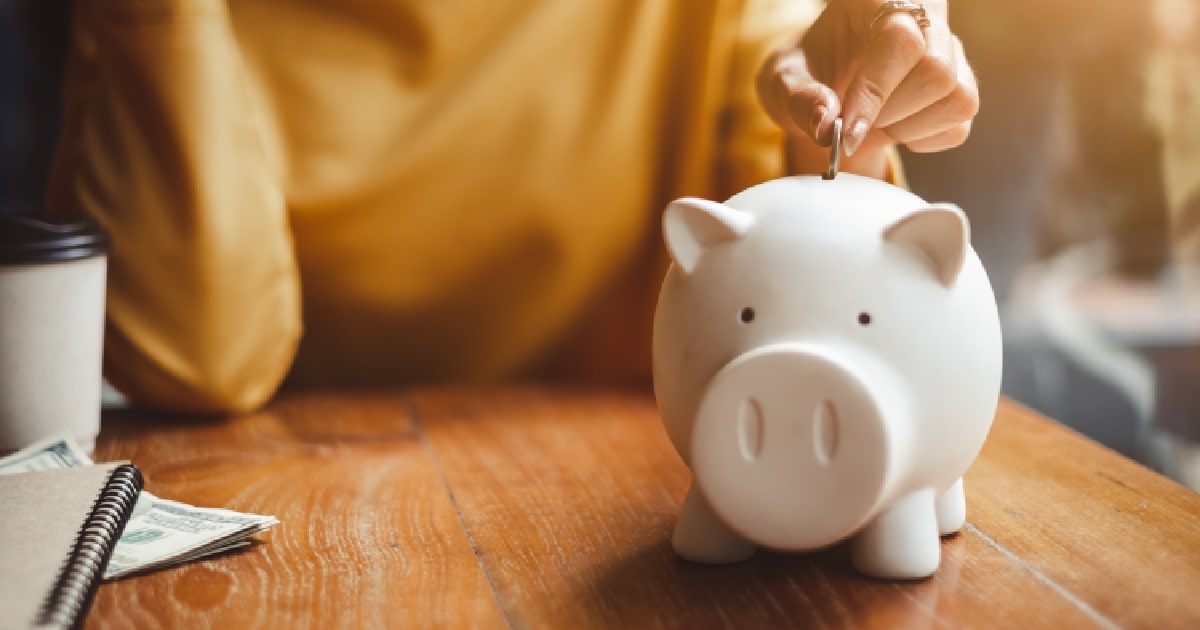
(57, 531)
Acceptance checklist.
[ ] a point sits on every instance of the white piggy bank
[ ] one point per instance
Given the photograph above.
(827, 362)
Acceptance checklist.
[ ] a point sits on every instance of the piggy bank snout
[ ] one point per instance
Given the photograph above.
(791, 446)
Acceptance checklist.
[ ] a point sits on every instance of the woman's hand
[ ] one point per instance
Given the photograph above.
(895, 82)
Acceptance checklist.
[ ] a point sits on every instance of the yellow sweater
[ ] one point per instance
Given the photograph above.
(373, 191)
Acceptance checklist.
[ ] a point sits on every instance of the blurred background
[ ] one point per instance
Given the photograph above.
(29, 110)
(1081, 178)
(1082, 181)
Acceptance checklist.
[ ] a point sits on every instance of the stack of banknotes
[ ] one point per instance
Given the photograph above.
(160, 533)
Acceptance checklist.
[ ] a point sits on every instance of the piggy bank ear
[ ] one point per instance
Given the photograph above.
(940, 232)
(691, 226)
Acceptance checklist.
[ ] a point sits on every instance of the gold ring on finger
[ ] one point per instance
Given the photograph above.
(916, 10)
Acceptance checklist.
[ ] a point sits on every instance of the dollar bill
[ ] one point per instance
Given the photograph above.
(160, 532)
(53, 452)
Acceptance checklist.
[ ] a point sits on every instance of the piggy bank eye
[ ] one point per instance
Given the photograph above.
(864, 318)
(747, 315)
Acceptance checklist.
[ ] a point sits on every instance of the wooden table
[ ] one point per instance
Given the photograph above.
(541, 508)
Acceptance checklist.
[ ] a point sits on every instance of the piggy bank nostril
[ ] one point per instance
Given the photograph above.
(750, 429)
(825, 432)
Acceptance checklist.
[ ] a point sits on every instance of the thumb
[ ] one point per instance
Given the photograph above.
(796, 101)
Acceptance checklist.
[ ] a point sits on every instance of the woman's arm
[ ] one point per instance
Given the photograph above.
(164, 144)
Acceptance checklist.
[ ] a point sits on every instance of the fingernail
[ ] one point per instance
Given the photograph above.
(854, 136)
(814, 121)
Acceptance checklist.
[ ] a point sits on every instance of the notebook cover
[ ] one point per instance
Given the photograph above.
(42, 514)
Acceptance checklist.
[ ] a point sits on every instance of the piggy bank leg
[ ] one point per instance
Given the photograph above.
(952, 509)
(902, 542)
(701, 537)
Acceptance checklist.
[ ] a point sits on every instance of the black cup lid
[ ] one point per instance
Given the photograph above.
(25, 239)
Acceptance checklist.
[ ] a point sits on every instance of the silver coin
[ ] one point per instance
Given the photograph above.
(835, 150)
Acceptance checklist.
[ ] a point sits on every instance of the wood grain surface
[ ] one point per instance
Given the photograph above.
(368, 535)
(545, 508)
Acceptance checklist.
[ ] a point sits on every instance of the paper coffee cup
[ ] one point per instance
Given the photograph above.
(52, 278)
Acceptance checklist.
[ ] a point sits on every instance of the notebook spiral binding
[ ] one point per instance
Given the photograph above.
(81, 573)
